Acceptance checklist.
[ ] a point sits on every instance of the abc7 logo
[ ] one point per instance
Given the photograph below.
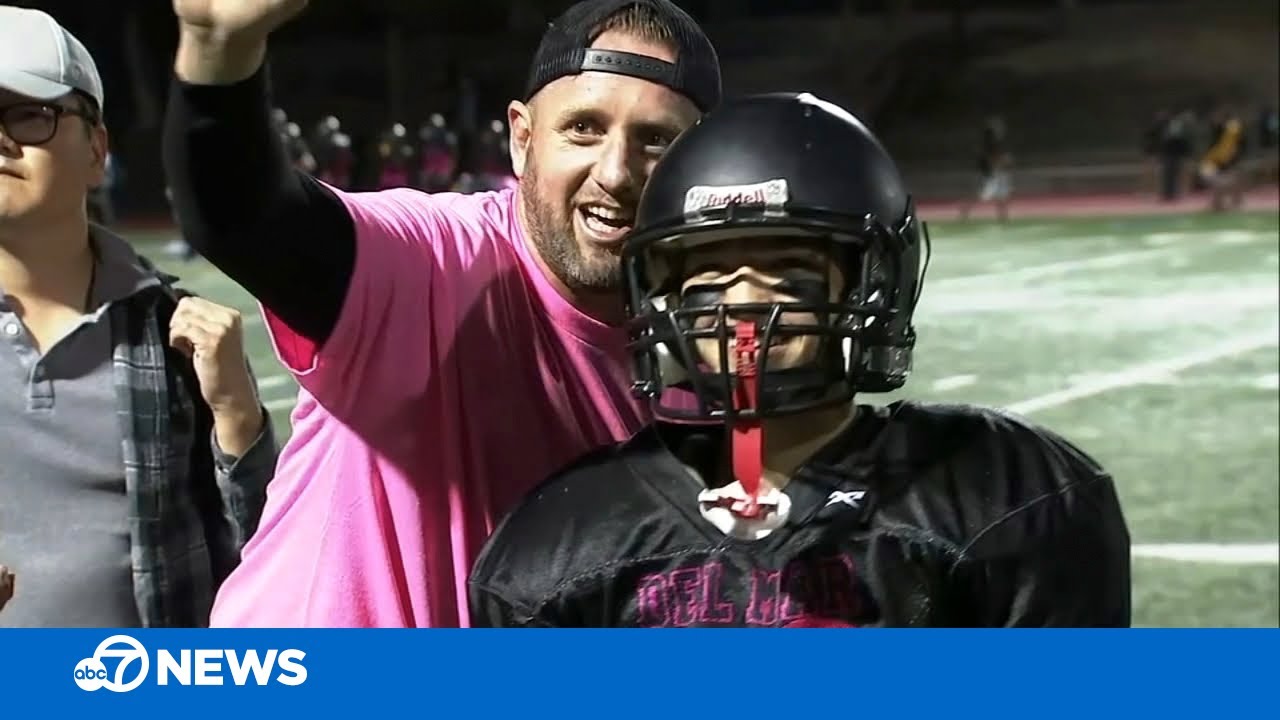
(91, 673)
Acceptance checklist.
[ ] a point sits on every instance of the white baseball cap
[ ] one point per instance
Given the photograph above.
(41, 60)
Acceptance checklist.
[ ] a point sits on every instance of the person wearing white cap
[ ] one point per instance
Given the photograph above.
(134, 453)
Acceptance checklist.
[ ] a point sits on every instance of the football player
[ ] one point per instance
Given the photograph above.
(772, 275)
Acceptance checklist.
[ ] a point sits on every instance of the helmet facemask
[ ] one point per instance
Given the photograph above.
(702, 359)
(828, 312)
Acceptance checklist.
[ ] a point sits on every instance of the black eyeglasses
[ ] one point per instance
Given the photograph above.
(34, 123)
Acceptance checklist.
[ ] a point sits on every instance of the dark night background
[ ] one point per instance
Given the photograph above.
(922, 72)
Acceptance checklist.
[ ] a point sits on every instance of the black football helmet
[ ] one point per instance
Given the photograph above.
(781, 165)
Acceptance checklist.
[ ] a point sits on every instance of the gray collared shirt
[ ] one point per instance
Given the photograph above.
(63, 506)
(188, 507)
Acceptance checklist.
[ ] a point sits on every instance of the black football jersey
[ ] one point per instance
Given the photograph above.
(915, 515)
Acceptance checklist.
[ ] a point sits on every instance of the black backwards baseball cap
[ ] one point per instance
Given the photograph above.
(566, 50)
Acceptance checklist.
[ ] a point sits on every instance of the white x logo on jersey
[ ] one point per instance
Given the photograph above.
(852, 498)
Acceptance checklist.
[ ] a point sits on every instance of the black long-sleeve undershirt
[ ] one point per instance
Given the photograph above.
(240, 203)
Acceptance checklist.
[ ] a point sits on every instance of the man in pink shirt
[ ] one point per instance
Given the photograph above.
(453, 350)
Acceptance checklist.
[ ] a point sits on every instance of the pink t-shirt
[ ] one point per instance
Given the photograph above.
(457, 378)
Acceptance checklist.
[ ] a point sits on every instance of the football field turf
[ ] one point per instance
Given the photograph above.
(1149, 342)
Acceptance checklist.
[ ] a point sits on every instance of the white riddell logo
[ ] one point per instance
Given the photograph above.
(853, 498)
(771, 194)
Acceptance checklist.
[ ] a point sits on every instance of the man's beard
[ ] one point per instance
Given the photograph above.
(553, 236)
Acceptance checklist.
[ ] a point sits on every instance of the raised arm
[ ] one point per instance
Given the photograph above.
(281, 234)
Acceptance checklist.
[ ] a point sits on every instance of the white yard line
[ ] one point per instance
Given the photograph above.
(1213, 553)
(1270, 381)
(1031, 272)
(272, 382)
(1166, 243)
(954, 382)
(1168, 307)
(1147, 372)
(281, 404)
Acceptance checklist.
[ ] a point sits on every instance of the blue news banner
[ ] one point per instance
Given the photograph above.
(1025, 674)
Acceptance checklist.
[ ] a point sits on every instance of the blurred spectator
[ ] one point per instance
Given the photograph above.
(1219, 166)
(279, 118)
(395, 158)
(297, 148)
(1175, 149)
(335, 159)
(1268, 128)
(437, 154)
(294, 144)
(995, 163)
(466, 183)
(493, 158)
(325, 129)
(1269, 142)
(1151, 139)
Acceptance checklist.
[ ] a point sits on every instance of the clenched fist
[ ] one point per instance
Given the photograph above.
(6, 585)
(224, 41)
(255, 18)
(213, 337)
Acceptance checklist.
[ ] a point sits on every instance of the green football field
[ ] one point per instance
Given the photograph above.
(1150, 342)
